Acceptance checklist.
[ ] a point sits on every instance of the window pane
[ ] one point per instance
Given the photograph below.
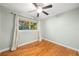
(33, 26)
(23, 25)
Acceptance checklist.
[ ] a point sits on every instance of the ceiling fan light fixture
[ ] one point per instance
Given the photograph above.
(39, 10)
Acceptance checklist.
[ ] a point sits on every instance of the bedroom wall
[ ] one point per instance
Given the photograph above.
(6, 27)
(63, 28)
(27, 36)
(6, 20)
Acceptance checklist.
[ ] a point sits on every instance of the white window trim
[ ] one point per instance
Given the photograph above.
(27, 30)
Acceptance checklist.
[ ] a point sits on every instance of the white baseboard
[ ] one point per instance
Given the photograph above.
(62, 44)
(6, 49)
(26, 43)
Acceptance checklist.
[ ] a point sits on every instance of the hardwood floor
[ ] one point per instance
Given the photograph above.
(43, 48)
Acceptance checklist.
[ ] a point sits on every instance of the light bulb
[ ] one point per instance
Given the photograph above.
(39, 9)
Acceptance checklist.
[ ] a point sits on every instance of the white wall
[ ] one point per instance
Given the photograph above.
(63, 28)
(6, 20)
(27, 36)
(6, 28)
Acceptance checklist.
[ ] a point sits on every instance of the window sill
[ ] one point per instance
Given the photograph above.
(27, 30)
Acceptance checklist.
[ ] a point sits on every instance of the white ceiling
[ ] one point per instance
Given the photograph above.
(23, 8)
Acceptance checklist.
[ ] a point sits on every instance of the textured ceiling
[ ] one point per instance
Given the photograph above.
(23, 8)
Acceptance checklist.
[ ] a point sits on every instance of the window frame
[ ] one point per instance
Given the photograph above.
(30, 20)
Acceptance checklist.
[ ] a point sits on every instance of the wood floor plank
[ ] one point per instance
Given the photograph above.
(43, 48)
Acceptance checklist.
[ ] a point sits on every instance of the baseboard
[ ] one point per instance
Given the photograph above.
(62, 44)
(26, 43)
(6, 49)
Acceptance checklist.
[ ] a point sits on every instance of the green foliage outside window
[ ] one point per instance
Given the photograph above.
(27, 25)
(33, 26)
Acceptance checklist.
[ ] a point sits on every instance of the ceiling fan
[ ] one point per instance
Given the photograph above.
(40, 9)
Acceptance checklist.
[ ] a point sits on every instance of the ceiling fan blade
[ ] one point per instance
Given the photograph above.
(35, 5)
(45, 12)
(37, 14)
(49, 6)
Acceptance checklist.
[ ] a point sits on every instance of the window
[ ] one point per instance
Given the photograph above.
(27, 25)
(33, 26)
